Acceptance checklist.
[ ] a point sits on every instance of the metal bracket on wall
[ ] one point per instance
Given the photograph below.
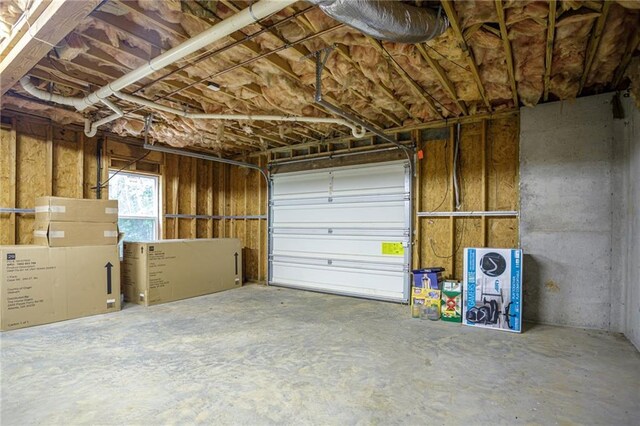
(16, 210)
(495, 213)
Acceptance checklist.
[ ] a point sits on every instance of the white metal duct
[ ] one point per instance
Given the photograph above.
(342, 230)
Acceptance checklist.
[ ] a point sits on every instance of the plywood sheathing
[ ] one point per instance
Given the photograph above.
(38, 157)
(487, 182)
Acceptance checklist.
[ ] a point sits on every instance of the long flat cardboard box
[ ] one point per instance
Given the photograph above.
(168, 270)
(60, 209)
(41, 285)
(72, 234)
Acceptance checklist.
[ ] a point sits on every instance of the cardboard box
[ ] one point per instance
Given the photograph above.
(168, 270)
(73, 234)
(451, 301)
(493, 288)
(60, 209)
(40, 285)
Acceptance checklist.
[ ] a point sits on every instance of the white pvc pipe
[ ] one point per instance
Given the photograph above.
(357, 132)
(222, 29)
(91, 128)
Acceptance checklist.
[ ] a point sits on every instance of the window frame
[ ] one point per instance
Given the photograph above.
(158, 187)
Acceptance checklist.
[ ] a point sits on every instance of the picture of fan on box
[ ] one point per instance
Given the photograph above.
(493, 288)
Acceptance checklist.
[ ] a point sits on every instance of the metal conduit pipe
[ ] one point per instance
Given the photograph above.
(206, 157)
(355, 130)
(253, 13)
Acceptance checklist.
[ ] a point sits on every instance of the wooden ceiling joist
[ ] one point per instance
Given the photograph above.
(632, 46)
(303, 52)
(442, 76)
(54, 23)
(594, 42)
(124, 25)
(419, 91)
(452, 15)
(506, 44)
(548, 59)
(343, 51)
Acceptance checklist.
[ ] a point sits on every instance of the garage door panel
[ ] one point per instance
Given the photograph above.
(373, 284)
(383, 180)
(329, 247)
(301, 186)
(342, 230)
(366, 214)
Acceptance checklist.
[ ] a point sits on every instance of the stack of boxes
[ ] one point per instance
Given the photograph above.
(72, 271)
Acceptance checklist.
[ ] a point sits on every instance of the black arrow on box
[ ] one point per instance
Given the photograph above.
(236, 256)
(108, 266)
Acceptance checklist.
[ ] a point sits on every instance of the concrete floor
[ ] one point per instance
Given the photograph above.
(266, 355)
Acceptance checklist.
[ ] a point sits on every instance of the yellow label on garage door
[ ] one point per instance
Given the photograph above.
(392, 249)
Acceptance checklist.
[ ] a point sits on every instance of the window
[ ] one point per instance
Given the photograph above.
(137, 196)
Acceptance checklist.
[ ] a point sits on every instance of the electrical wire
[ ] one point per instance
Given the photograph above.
(26, 15)
(464, 220)
(415, 82)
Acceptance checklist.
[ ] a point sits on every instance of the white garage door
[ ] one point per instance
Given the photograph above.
(343, 230)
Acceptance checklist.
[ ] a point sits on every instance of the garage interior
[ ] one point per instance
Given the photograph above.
(343, 143)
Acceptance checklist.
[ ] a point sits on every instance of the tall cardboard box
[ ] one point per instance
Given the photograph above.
(168, 270)
(493, 289)
(70, 234)
(60, 209)
(39, 285)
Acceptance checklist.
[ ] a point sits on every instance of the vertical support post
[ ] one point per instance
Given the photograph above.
(209, 198)
(9, 149)
(99, 153)
(193, 193)
(452, 205)
(417, 205)
(484, 182)
(80, 164)
(49, 160)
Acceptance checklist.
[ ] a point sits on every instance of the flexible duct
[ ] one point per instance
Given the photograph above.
(386, 20)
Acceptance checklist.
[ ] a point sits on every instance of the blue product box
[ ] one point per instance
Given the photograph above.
(428, 278)
(493, 289)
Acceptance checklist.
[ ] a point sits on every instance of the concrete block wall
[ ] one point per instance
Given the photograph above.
(579, 203)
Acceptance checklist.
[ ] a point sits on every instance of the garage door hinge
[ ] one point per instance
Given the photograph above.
(329, 231)
(329, 262)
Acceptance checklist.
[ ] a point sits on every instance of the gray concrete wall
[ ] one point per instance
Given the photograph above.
(627, 132)
(566, 225)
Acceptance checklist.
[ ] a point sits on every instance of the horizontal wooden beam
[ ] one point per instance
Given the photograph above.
(55, 23)
(436, 124)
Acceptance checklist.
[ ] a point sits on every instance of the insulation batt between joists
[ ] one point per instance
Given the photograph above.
(357, 75)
